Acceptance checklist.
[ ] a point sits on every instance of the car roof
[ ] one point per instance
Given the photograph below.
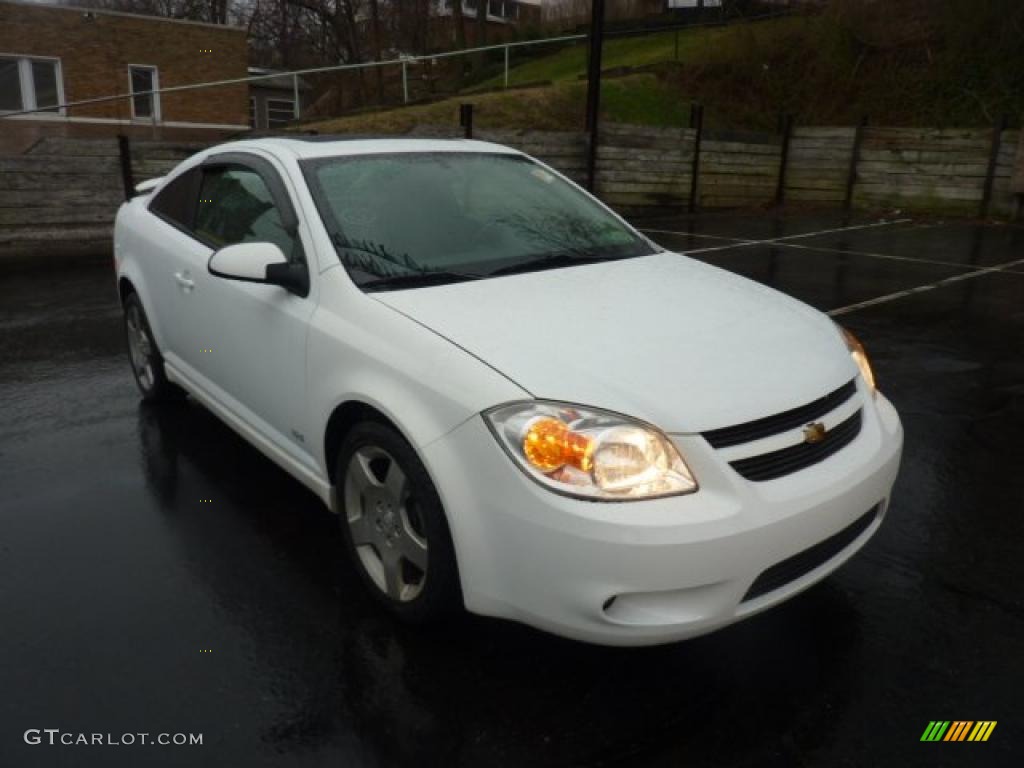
(304, 146)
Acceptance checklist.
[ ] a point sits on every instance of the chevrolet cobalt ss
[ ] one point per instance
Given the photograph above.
(513, 400)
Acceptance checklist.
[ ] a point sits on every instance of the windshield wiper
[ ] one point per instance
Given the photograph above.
(415, 275)
(373, 250)
(552, 261)
(417, 280)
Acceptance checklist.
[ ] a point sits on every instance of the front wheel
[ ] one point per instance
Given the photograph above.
(147, 364)
(394, 525)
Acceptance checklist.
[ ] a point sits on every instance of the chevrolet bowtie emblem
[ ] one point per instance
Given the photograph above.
(814, 432)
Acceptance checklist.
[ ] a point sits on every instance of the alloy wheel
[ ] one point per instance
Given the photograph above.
(140, 351)
(385, 524)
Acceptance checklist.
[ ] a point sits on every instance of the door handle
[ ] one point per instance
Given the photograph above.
(184, 280)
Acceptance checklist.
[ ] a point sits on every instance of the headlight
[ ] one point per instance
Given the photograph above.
(860, 357)
(589, 453)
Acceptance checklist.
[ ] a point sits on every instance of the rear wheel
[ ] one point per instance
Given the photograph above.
(147, 364)
(394, 525)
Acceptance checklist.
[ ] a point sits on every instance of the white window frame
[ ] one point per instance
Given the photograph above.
(28, 86)
(156, 116)
(269, 101)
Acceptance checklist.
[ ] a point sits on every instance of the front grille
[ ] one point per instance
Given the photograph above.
(780, 422)
(784, 461)
(792, 568)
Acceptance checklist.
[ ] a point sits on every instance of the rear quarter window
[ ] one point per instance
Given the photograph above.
(176, 202)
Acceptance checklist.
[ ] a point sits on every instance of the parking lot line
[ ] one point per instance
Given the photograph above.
(927, 287)
(696, 234)
(882, 223)
(873, 255)
(784, 242)
(741, 243)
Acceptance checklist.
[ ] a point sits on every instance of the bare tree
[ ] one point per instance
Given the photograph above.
(375, 46)
(458, 22)
(481, 30)
(217, 11)
(565, 14)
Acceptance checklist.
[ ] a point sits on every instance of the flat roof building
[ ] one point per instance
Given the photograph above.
(52, 55)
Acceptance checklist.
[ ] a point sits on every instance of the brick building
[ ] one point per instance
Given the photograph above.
(51, 55)
(504, 19)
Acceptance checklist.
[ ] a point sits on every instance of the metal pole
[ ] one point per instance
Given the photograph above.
(993, 159)
(295, 91)
(506, 66)
(697, 123)
(851, 174)
(124, 148)
(405, 83)
(594, 88)
(466, 119)
(787, 133)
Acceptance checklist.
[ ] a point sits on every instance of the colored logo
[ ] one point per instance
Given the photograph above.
(958, 730)
(814, 432)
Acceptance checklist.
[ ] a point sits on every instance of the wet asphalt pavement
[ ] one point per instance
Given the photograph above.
(129, 604)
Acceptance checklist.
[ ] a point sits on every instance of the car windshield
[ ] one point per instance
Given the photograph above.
(407, 219)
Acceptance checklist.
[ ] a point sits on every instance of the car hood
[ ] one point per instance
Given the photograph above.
(681, 344)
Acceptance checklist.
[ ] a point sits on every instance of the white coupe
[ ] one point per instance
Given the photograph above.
(513, 400)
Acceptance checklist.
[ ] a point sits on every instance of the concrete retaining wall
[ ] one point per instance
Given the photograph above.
(641, 169)
(63, 193)
(66, 191)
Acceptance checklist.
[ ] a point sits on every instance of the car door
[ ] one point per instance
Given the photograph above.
(247, 341)
(175, 259)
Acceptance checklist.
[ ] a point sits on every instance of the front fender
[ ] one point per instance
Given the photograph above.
(361, 350)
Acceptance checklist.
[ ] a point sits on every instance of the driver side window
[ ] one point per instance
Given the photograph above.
(235, 206)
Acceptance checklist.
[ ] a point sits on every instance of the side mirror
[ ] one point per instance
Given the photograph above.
(259, 263)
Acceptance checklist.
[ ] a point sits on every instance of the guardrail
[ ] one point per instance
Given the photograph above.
(404, 62)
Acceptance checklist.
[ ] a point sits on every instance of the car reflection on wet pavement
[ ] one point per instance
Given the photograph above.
(115, 571)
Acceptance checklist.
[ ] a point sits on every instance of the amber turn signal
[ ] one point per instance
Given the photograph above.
(549, 444)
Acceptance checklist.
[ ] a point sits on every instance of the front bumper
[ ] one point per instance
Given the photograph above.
(654, 571)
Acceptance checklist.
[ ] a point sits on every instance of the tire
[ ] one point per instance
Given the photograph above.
(144, 356)
(393, 525)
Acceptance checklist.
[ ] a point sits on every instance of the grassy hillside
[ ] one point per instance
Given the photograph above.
(954, 63)
(641, 98)
(571, 62)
